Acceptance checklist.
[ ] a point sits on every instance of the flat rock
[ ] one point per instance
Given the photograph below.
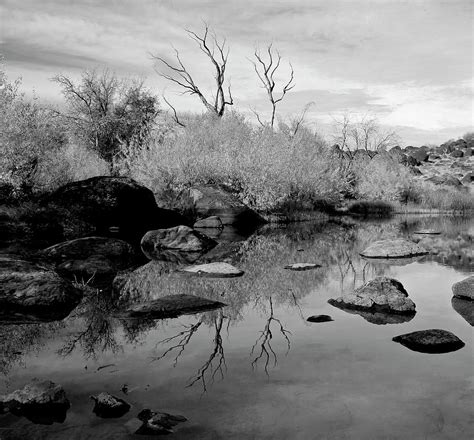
(427, 232)
(107, 406)
(430, 341)
(320, 318)
(209, 222)
(397, 248)
(464, 289)
(171, 306)
(157, 423)
(213, 270)
(302, 266)
(465, 308)
(381, 294)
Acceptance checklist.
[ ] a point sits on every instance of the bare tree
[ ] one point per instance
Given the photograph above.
(178, 73)
(265, 70)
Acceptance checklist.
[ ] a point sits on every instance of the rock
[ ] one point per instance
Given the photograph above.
(430, 341)
(302, 266)
(468, 178)
(464, 289)
(213, 270)
(375, 317)
(91, 256)
(211, 200)
(42, 402)
(393, 248)
(433, 157)
(381, 294)
(179, 238)
(171, 306)
(33, 292)
(96, 204)
(209, 222)
(465, 308)
(157, 423)
(444, 180)
(420, 155)
(457, 153)
(412, 161)
(320, 318)
(427, 232)
(107, 406)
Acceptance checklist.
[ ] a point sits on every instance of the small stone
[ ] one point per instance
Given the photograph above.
(214, 270)
(430, 341)
(108, 406)
(320, 318)
(464, 289)
(302, 266)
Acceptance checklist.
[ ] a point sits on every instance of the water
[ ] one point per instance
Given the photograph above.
(257, 369)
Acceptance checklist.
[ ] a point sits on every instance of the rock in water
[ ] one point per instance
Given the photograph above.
(397, 248)
(302, 266)
(42, 402)
(381, 294)
(427, 232)
(158, 423)
(320, 318)
(108, 406)
(179, 238)
(171, 306)
(32, 292)
(209, 222)
(465, 308)
(464, 289)
(430, 341)
(214, 270)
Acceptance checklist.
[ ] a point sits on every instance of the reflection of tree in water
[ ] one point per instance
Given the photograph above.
(265, 351)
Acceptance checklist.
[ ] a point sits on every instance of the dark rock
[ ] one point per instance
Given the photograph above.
(445, 180)
(320, 318)
(107, 406)
(381, 294)
(464, 289)
(433, 157)
(457, 153)
(420, 155)
(468, 178)
(42, 402)
(396, 248)
(430, 341)
(213, 270)
(427, 232)
(302, 266)
(171, 306)
(157, 423)
(209, 222)
(465, 308)
(412, 161)
(179, 238)
(33, 292)
(375, 317)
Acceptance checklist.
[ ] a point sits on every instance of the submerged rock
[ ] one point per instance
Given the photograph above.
(42, 402)
(209, 222)
(213, 270)
(381, 294)
(33, 292)
(171, 306)
(376, 317)
(465, 308)
(464, 289)
(108, 406)
(430, 341)
(180, 238)
(158, 423)
(396, 248)
(320, 318)
(302, 266)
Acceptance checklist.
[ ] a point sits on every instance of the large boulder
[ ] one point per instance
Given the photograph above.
(211, 200)
(381, 294)
(430, 341)
(464, 289)
(393, 248)
(33, 292)
(39, 401)
(178, 239)
(95, 205)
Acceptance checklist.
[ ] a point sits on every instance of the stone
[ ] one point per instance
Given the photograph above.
(381, 294)
(302, 266)
(107, 406)
(457, 153)
(393, 248)
(34, 292)
(430, 341)
(444, 180)
(376, 317)
(427, 232)
(180, 238)
(464, 289)
(420, 155)
(320, 318)
(465, 308)
(40, 401)
(157, 423)
(468, 178)
(170, 306)
(213, 270)
(209, 222)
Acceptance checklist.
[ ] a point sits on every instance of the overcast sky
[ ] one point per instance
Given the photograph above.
(408, 62)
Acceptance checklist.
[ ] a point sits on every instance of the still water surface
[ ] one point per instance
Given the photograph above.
(257, 369)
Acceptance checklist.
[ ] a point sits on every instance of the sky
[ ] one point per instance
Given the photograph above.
(408, 63)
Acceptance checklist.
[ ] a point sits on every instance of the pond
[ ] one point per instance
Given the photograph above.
(257, 369)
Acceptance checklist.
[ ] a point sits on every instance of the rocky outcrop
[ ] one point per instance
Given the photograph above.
(158, 423)
(107, 406)
(213, 270)
(464, 289)
(33, 292)
(41, 402)
(179, 238)
(397, 248)
(430, 341)
(378, 295)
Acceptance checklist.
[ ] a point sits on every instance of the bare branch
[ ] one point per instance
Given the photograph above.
(175, 114)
